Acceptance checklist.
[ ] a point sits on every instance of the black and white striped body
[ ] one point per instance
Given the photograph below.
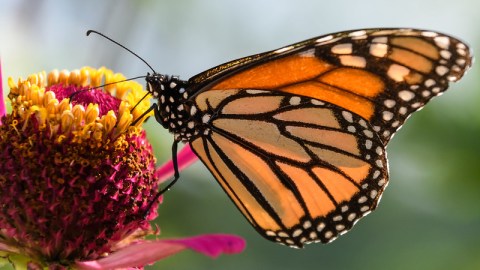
(174, 110)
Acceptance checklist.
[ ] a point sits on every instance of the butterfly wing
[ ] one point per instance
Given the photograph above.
(382, 75)
(296, 137)
(300, 170)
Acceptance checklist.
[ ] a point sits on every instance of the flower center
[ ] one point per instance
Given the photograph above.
(85, 96)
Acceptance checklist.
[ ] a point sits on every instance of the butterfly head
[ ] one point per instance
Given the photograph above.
(172, 101)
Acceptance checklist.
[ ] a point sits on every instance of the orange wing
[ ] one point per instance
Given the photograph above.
(382, 75)
(300, 170)
(296, 137)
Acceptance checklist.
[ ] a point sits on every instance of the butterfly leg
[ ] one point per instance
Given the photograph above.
(176, 176)
(154, 107)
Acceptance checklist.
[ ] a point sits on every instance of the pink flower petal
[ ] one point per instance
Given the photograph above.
(212, 245)
(147, 252)
(3, 109)
(185, 158)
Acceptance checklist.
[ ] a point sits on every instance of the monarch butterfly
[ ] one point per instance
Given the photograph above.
(296, 136)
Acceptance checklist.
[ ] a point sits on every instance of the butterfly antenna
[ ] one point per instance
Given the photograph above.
(139, 102)
(127, 49)
(103, 85)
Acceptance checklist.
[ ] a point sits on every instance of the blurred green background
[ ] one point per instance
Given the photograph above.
(429, 217)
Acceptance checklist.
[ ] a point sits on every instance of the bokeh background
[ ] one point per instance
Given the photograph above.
(429, 217)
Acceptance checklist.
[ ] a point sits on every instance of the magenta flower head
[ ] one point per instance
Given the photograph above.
(77, 179)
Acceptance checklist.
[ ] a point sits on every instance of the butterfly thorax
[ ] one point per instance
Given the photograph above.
(175, 112)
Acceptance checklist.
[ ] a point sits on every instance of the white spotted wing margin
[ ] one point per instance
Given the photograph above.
(299, 169)
(414, 66)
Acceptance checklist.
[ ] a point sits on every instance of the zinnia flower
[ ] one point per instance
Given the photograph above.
(77, 179)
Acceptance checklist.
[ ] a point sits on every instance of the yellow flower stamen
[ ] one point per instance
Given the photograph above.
(79, 123)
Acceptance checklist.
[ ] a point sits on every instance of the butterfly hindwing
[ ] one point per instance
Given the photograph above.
(299, 169)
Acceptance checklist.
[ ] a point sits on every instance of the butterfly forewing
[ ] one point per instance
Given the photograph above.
(382, 75)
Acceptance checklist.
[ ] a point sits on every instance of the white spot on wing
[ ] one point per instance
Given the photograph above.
(357, 33)
(295, 100)
(397, 72)
(378, 50)
(206, 118)
(406, 95)
(429, 34)
(364, 209)
(348, 116)
(363, 123)
(307, 224)
(436, 90)
(368, 133)
(297, 233)
(445, 54)
(441, 70)
(442, 42)
(461, 61)
(317, 102)
(389, 103)
(382, 182)
(193, 110)
(402, 110)
(429, 83)
(323, 39)
(368, 144)
(254, 92)
(362, 199)
(344, 48)
(387, 116)
(320, 226)
(353, 61)
(270, 233)
(380, 40)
